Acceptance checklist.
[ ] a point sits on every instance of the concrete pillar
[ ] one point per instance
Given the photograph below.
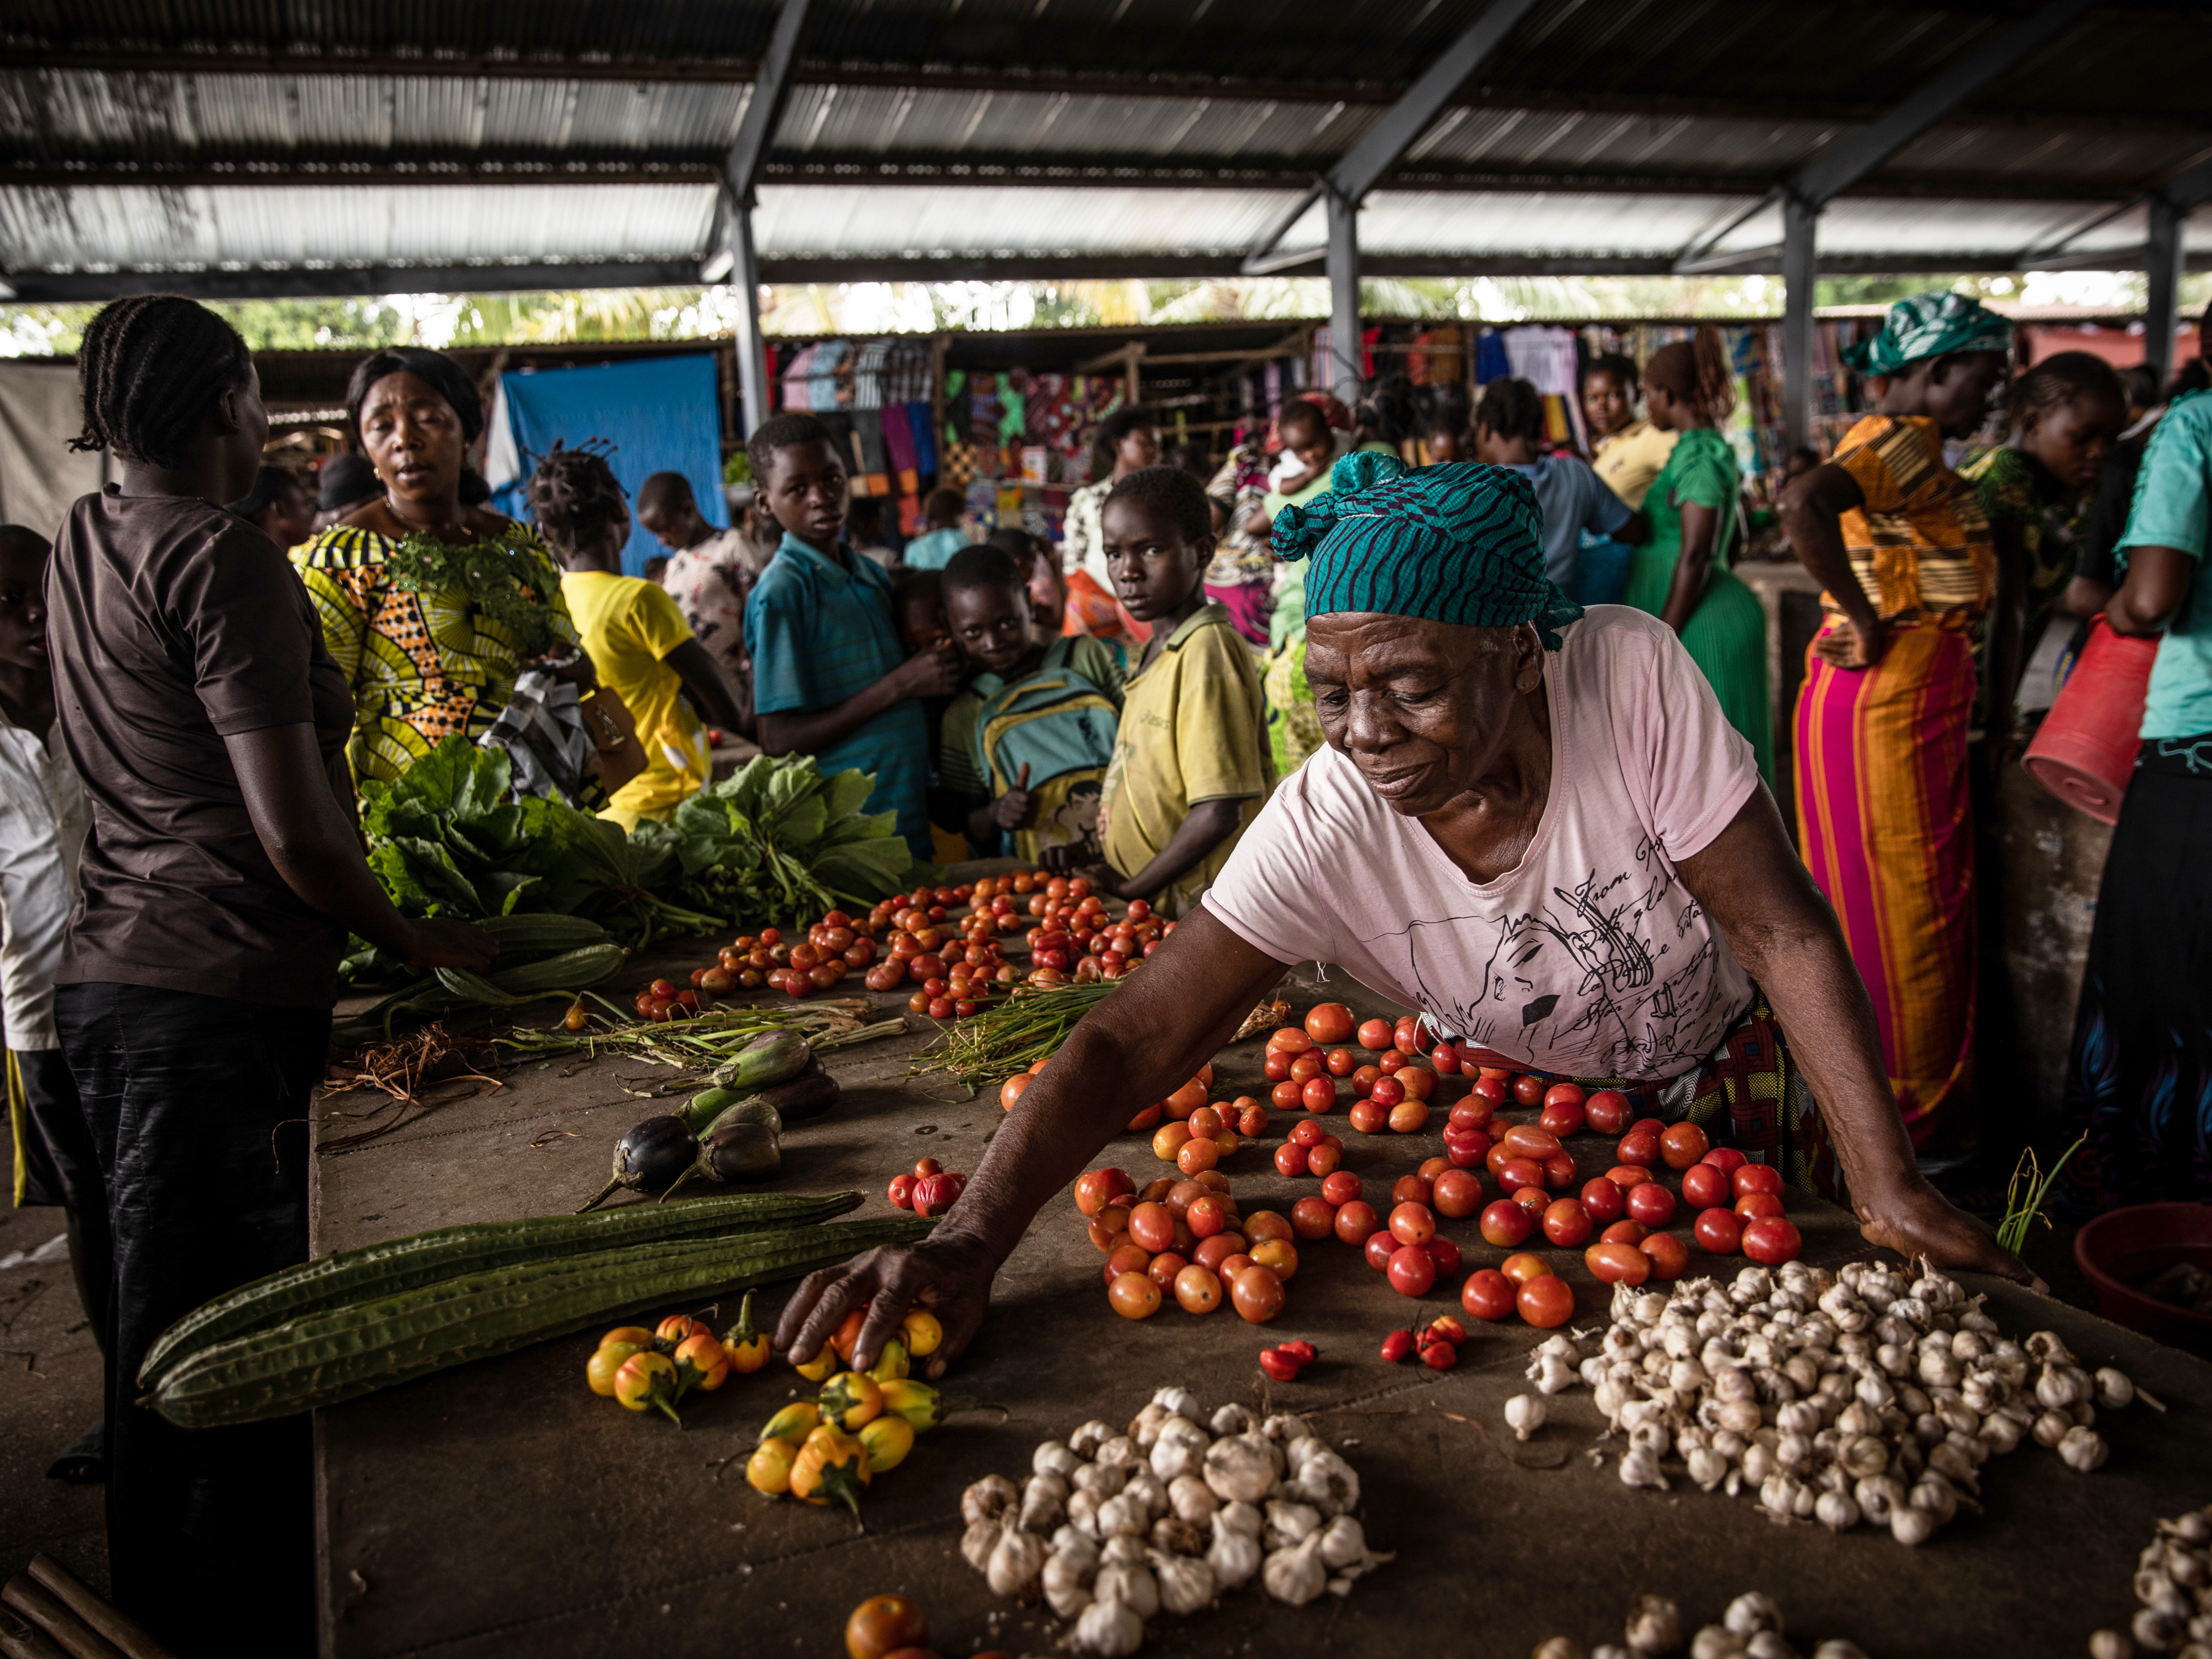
(744, 277)
(1799, 264)
(1343, 266)
(2164, 262)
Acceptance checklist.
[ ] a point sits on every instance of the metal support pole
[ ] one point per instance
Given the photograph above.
(744, 277)
(1343, 265)
(2164, 267)
(1799, 262)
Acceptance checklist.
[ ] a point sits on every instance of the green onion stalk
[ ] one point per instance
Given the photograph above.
(1011, 1036)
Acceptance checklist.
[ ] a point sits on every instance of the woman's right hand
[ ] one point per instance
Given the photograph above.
(446, 943)
(947, 1274)
(1855, 645)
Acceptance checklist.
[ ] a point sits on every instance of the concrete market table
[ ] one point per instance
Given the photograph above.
(502, 1508)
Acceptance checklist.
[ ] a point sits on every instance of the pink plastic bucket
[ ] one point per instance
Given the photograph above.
(2085, 751)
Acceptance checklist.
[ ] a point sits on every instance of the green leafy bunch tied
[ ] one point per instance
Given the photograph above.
(778, 844)
(505, 578)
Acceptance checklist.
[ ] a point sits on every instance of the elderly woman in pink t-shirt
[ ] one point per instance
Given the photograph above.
(1533, 826)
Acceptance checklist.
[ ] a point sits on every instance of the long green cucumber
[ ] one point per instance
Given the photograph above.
(571, 970)
(403, 1264)
(543, 931)
(357, 1350)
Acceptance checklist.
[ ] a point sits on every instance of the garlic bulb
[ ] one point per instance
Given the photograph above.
(1525, 1416)
(2114, 1391)
(1109, 1629)
(1751, 1613)
(1123, 1550)
(1241, 1518)
(1654, 1625)
(1124, 1512)
(2111, 1644)
(1066, 1582)
(1191, 1499)
(1053, 1458)
(1837, 1511)
(1640, 1467)
(1180, 1402)
(1185, 1584)
(1083, 1508)
(1327, 1482)
(1120, 1450)
(1178, 1449)
(1073, 1545)
(1837, 1647)
(1295, 1575)
(1290, 1523)
(1133, 1586)
(1716, 1642)
(1910, 1526)
(1172, 1536)
(1043, 1500)
(987, 1499)
(1343, 1543)
(1234, 1557)
(1231, 1419)
(1282, 1428)
(2083, 1449)
(978, 1541)
(1016, 1563)
(1241, 1467)
(1102, 1480)
(1768, 1645)
(1086, 1441)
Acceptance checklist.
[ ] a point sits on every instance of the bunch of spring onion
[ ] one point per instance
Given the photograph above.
(1011, 1036)
(710, 1038)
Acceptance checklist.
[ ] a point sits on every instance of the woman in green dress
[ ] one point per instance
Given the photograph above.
(1689, 523)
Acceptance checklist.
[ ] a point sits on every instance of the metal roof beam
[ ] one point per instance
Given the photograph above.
(764, 109)
(2179, 196)
(1379, 149)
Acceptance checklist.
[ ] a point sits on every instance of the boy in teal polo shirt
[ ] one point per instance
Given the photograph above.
(830, 679)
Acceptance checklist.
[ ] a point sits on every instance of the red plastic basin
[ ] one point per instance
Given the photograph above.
(2122, 1247)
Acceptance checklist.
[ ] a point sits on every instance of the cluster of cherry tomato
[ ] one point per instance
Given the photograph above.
(1077, 942)
(1305, 1061)
(932, 1189)
(1405, 1246)
(955, 968)
(1437, 1344)
(835, 946)
(1184, 1237)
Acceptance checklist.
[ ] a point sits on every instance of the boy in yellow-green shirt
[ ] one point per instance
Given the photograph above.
(639, 643)
(1191, 766)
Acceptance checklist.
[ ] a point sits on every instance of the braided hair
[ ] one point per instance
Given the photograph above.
(146, 371)
(575, 496)
(1697, 371)
(1174, 493)
(1386, 408)
(2060, 378)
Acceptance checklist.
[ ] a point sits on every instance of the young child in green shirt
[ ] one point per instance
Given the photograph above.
(1191, 765)
(1025, 746)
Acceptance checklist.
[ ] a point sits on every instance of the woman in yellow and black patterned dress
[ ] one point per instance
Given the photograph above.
(432, 608)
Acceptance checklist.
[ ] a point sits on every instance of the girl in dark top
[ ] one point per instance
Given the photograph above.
(220, 877)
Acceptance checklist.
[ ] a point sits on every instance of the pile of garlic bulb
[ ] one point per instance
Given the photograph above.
(1111, 1527)
(2173, 1582)
(1840, 1398)
(1750, 1629)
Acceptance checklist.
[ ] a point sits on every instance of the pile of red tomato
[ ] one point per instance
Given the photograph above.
(932, 1189)
(1185, 1238)
(1305, 1061)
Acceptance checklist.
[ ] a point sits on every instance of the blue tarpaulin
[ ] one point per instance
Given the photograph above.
(662, 415)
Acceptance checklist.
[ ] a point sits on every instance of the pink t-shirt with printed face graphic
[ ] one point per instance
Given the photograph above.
(1590, 957)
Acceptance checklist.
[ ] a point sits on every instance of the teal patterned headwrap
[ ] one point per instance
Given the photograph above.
(1461, 544)
(1929, 325)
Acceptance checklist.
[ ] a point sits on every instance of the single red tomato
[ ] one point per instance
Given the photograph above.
(1262, 1225)
(1534, 1200)
(1682, 1144)
(1313, 1218)
(1546, 1302)
(1772, 1240)
(1126, 1259)
(1412, 1224)
(1368, 1118)
(1561, 1117)
(1468, 1153)
(1505, 1224)
(1182, 1195)
(1559, 1171)
(1704, 1187)
(1444, 1254)
(1151, 1227)
(1406, 1035)
(1257, 1294)
(1487, 1294)
(1147, 1119)
(1308, 1065)
(1417, 1081)
(1514, 1173)
(1523, 1266)
(1324, 1159)
(1757, 1206)
(1319, 1095)
(1096, 1188)
(1623, 1231)
(1374, 1033)
(1412, 1189)
(1727, 1159)
(1603, 1200)
(1566, 1224)
(1670, 1257)
(1341, 1187)
(1624, 1176)
(1251, 1117)
(1445, 1058)
(1206, 1216)
(1527, 1140)
(1387, 1092)
(1494, 1090)
(1718, 1231)
(1165, 1267)
(1758, 1178)
(1650, 1204)
(1355, 1220)
(1638, 1148)
(1306, 1132)
(1341, 1062)
(1290, 1160)
(1276, 1064)
(1328, 1023)
(1364, 1079)
(1471, 1113)
(1529, 1089)
(1457, 1193)
(1618, 1264)
(1412, 1270)
(1391, 1061)
(1408, 1117)
(1287, 1096)
(1212, 1253)
(1432, 1167)
(1290, 1040)
(1379, 1248)
(1280, 1256)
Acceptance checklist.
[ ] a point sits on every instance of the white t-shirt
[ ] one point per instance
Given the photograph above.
(1590, 957)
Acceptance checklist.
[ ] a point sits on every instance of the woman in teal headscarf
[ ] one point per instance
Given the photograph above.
(1531, 824)
(1680, 573)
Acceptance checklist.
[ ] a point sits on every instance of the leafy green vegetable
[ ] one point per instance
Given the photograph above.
(778, 844)
(506, 577)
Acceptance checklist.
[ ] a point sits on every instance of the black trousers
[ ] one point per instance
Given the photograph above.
(198, 1108)
(62, 1167)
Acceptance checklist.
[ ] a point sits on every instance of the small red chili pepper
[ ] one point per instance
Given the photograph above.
(1283, 1367)
(1446, 1328)
(1440, 1356)
(1303, 1350)
(1397, 1345)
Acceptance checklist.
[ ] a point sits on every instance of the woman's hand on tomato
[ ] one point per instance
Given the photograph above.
(447, 944)
(947, 1274)
(1914, 1219)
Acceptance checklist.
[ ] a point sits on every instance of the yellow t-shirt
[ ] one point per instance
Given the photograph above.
(1630, 459)
(628, 625)
(1193, 728)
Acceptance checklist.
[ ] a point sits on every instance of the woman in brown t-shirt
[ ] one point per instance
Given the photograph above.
(221, 875)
